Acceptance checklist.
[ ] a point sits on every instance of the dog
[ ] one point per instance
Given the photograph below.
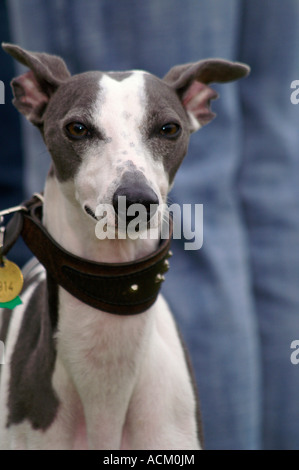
(87, 378)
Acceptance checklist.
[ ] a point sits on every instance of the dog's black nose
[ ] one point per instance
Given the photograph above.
(127, 195)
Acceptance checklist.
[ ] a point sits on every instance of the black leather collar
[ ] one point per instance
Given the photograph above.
(120, 288)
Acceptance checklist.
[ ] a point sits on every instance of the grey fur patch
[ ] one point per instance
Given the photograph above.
(51, 172)
(75, 100)
(163, 107)
(119, 76)
(31, 395)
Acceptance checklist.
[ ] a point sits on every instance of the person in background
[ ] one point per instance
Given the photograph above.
(237, 298)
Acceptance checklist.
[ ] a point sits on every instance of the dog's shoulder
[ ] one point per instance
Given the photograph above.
(32, 356)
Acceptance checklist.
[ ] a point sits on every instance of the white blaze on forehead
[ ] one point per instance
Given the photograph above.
(120, 108)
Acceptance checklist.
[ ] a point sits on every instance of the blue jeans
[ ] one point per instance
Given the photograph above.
(236, 299)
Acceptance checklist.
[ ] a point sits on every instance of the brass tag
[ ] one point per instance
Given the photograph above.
(11, 281)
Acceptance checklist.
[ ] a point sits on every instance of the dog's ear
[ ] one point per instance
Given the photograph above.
(191, 84)
(33, 89)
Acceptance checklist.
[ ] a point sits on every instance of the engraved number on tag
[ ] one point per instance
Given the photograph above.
(5, 286)
(11, 281)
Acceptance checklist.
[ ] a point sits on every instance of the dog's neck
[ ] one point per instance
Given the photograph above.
(75, 231)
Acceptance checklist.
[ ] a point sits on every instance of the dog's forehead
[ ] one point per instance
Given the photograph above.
(138, 83)
(121, 98)
(118, 87)
(133, 94)
(89, 91)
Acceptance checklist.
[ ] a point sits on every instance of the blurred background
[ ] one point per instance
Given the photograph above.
(237, 298)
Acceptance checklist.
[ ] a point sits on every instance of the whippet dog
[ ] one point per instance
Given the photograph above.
(93, 358)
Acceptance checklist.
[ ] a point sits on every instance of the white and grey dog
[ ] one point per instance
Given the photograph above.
(91, 379)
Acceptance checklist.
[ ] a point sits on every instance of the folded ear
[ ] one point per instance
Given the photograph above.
(33, 89)
(191, 84)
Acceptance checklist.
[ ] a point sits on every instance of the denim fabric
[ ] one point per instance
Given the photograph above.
(269, 193)
(236, 299)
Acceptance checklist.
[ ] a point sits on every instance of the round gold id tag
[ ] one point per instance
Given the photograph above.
(11, 281)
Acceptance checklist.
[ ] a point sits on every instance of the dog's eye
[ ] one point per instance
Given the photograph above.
(170, 130)
(77, 130)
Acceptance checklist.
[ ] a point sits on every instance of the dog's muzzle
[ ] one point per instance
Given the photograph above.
(135, 195)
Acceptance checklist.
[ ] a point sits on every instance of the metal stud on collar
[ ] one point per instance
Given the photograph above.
(134, 288)
(165, 266)
(159, 278)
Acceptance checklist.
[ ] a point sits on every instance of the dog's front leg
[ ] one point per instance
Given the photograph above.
(104, 403)
(104, 427)
(104, 393)
(162, 414)
(102, 354)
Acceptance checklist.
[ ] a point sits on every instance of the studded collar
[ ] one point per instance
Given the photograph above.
(119, 288)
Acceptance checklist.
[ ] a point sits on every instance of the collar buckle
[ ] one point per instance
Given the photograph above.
(11, 210)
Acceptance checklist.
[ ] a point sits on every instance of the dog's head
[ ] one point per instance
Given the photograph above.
(119, 133)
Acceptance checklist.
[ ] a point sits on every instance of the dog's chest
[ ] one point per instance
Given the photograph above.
(98, 339)
(99, 356)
